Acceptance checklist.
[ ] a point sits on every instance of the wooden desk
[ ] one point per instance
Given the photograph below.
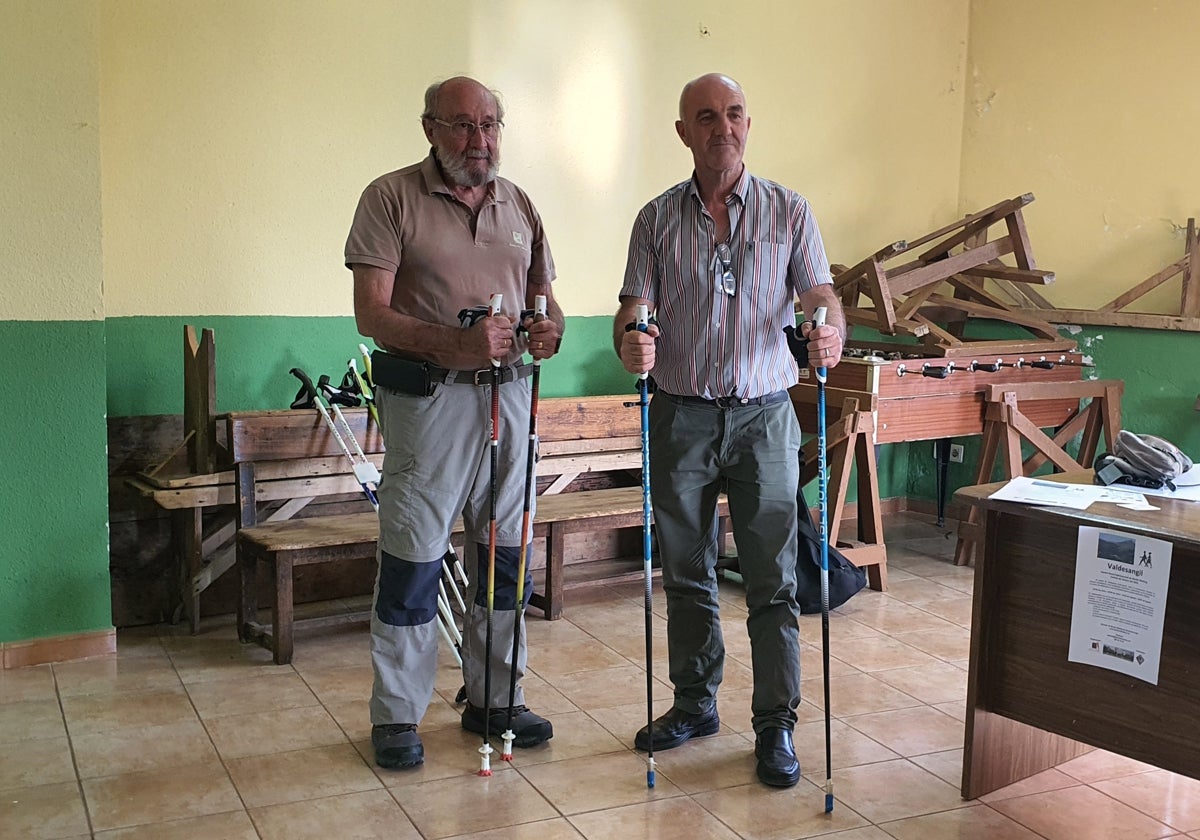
(1028, 708)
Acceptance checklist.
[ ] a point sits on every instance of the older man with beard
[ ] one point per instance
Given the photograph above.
(427, 242)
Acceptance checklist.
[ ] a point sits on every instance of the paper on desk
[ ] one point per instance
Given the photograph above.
(1039, 491)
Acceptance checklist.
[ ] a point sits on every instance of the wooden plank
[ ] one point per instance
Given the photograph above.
(999, 271)
(1141, 320)
(996, 210)
(1190, 298)
(1150, 283)
(940, 270)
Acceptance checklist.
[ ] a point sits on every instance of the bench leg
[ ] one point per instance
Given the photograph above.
(281, 611)
(555, 549)
(247, 565)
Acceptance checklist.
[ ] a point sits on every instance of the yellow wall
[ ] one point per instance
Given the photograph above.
(238, 134)
(1094, 108)
(49, 162)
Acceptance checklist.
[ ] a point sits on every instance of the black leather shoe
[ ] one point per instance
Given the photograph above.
(777, 764)
(529, 729)
(675, 727)
(397, 745)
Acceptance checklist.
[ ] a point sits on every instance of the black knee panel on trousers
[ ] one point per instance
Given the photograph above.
(508, 557)
(408, 591)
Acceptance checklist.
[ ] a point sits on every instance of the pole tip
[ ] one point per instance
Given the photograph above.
(829, 803)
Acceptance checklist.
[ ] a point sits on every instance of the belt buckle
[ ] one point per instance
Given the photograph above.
(483, 376)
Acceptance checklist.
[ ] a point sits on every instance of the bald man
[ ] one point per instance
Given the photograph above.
(427, 242)
(721, 259)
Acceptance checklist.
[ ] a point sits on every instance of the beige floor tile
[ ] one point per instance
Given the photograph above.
(720, 761)
(231, 825)
(550, 661)
(1058, 815)
(575, 734)
(937, 682)
(1051, 779)
(540, 632)
(1166, 796)
(848, 747)
(946, 765)
(591, 783)
(957, 612)
(880, 654)
(948, 643)
(623, 722)
(45, 811)
(341, 684)
(812, 663)
(370, 814)
(868, 832)
(266, 692)
(30, 720)
(133, 749)
(1100, 765)
(889, 615)
(355, 717)
(841, 628)
(282, 730)
(624, 618)
(201, 660)
(298, 775)
(115, 673)
(555, 829)
(856, 694)
(190, 790)
(894, 790)
(34, 763)
(465, 804)
(88, 714)
(35, 682)
(616, 686)
(914, 731)
(919, 590)
(633, 648)
(978, 822)
(956, 709)
(665, 819)
(757, 812)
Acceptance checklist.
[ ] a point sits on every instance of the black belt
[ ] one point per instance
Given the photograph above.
(731, 402)
(483, 376)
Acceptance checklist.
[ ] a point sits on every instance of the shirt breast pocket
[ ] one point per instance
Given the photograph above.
(768, 261)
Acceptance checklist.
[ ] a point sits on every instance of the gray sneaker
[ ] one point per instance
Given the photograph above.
(397, 745)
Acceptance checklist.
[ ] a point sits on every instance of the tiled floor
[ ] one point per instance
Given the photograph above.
(200, 737)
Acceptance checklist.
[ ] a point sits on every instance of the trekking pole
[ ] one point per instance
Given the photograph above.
(641, 324)
(485, 750)
(368, 477)
(823, 503)
(539, 314)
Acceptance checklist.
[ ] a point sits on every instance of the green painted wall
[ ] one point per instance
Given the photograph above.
(256, 353)
(1158, 368)
(53, 516)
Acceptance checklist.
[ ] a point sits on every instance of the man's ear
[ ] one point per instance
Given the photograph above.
(427, 127)
(679, 129)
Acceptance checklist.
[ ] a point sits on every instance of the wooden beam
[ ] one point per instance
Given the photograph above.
(1152, 282)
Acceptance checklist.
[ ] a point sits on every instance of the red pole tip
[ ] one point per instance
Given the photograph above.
(485, 772)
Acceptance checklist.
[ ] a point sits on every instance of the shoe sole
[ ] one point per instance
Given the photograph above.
(699, 732)
(778, 781)
(399, 763)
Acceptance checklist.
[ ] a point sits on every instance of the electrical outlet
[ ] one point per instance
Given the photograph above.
(956, 453)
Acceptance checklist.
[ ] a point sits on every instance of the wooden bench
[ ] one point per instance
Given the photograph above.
(284, 546)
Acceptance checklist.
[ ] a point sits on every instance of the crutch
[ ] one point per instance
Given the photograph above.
(485, 749)
(823, 503)
(539, 314)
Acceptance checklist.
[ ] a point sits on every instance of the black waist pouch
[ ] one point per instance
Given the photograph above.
(403, 375)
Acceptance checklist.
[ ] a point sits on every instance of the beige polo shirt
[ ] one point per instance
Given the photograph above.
(409, 222)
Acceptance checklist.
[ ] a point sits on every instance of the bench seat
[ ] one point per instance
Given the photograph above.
(286, 544)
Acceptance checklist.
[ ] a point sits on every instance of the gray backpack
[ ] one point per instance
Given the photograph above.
(1142, 460)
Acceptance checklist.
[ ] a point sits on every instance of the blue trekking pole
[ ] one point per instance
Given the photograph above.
(643, 323)
(823, 503)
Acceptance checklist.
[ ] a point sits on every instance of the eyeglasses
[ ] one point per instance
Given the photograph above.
(465, 129)
(726, 282)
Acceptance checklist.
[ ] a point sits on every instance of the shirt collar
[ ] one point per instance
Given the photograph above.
(741, 189)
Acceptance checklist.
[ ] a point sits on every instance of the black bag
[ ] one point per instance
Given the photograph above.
(845, 578)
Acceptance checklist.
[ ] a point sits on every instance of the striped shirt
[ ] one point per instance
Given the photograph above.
(713, 344)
